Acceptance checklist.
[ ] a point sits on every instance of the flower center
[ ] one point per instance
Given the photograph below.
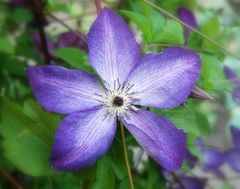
(117, 101)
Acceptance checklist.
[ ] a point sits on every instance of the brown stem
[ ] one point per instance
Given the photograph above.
(11, 179)
(175, 177)
(39, 16)
(98, 6)
(85, 185)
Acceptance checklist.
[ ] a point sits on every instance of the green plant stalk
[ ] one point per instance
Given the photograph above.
(126, 156)
(191, 28)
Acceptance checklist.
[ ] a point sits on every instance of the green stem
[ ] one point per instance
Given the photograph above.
(191, 28)
(126, 156)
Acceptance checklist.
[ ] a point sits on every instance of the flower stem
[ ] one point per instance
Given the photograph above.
(191, 28)
(126, 156)
(98, 6)
(39, 16)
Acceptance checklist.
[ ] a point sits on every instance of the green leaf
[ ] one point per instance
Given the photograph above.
(194, 40)
(7, 45)
(124, 184)
(172, 33)
(23, 143)
(182, 117)
(105, 176)
(212, 73)
(22, 15)
(142, 22)
(115, 157)
(203, 123)
(46, 120)
(157, 22)
(60, 181)
(87, 174)
(12, 66)
(153, 175)
(76, 58)
(212, 29)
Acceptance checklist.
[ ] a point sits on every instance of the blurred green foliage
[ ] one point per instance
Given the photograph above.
(27, 131)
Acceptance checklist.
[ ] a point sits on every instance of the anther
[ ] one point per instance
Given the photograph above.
(117, 101)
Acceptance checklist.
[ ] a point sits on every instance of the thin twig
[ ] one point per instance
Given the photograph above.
(191, 28)
(126, 156)
(67, 26)
(11, 179)
(175, 177)
(98, 6)
(39, 16)
(85, 184)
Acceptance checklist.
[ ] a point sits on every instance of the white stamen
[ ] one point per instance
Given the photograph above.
(121, 91)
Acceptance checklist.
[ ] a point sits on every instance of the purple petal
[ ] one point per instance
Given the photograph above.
(159, 137)
(235, 132)
(64, 91)
(72, 39)
(212, 159)
(188, 17)
(81, 138)
(192, 182)
(230, 75)
(218, 173)
(113, 51)
(236, 94)
(165, 80)
(191, 159)
(199, 143)
(15, 3)
(233, 159)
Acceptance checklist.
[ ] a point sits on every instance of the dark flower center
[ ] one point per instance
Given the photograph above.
(118, 101)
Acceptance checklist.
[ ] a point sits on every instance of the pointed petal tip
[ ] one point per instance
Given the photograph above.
(63, 90)
(113, 50)
(165, 143)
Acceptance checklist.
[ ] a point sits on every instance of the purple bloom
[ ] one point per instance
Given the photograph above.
(192, 182)
(184, 181)
(230, 75)
(66, 39)
(236, 94)
(235, 133)
(232, 156)
(72, 39)
(212, 158)
(188, 17)
(190, 159)
(161, 80)
(39, 46)
(15, 3)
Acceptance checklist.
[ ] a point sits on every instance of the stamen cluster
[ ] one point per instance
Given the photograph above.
(119, 98)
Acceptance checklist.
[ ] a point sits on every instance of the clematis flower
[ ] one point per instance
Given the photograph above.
(162, 80)
(66, 39)
(231, 75)
(212, 157)
(188, 17)
(232, 155)
(188, 182)
(235, 81)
